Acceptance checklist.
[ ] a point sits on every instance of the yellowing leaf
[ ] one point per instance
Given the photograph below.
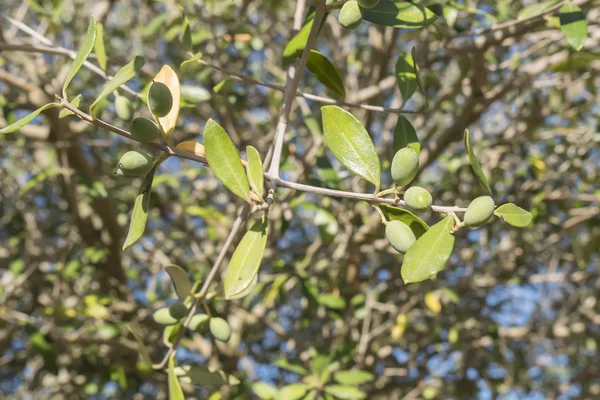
(167, 76)
(432, 301)
(192, 147)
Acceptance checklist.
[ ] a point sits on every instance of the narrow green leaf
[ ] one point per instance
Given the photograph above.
(175, 392)
(294, 391)
(186, 36)
(331, 301)
(475, 164)
(573, 24)
(264, 390)
(325, 72)
(405, 135)
(99, 46)
(142, 350)
(345, 392)
(224, 160)
(83, 53)
(291, 366)
(170, 333)
(25, 120)
(416, 224)
(399, 15)
(296, 45)
(188, 65)
(180, 280)
(65, 112)
(224, 86)
(202, 375)
(535, 9)
(405, 76)
(255, 172)
(513, 215)
(139, 215)
(246, 259)
(350, 143)
(353, 377)
(430, 252)
(123, 75)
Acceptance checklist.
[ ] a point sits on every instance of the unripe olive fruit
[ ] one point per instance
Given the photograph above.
(134, 164)
(124, 108)
(479, 211)
(199, 323)
(418, 199)
(220, 329)
(368, 3)
(400, 236)
(351, 15)
(160, 99)
(178, 310)
(163, 316)
(144, 130)
(405, 166)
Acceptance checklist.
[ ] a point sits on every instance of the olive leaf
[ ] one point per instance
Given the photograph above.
(346, 392)
(188, 65)
(126, 73)
(84, 51)
(405, 135)
(247, 291)
(429, 253)
(475, 164)
(513, 215)
(406, 76)
(350, 143)
(99, 46)
(399, 15)
(294, 48)
(167, 123)
(573, 24)
(416, 224)
(535, 9)
(246, 259)
(264, 390)
(175, 392)
(224, 160)
(15, 126)
(65, 112)
(254, 170)
(180, 280)
(205, 376)
(142, 349)
(295, 391)
(325, 72)
(353, 377)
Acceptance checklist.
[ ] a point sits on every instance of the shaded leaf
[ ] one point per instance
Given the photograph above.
(99, 46)
(416, 224)
(188, 65)
(224, 160)
(186, 36)
(406, 76)
(202, 375)
(254, 170)
(405, 135)
(475, 164)
(264, 390)
(224, 86)
(84, 51)
(350, 143)
(126, 73)
(167, 76)
(175, 392)
(137, 334)
(345, 392)
(573, 24)
(513, 215)
(139, 215)
(296, 45)
(65, 112)
(430, 252)
(399, 15)
(246, 259)
(325, 72)
(353, 377)
(27, 119)
(180, 280)
(294, 391)
(331, 301)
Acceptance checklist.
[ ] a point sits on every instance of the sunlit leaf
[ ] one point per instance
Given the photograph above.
(99, 46)
(194, 94)
(27, 119)
(264, 390)
(293, 49)
(189, 65)
(254, 170)
(535, 9)
(253, 284)
(84, 51)
(331, 301)
(175, 392)
(246, 259)
(513, 215)
(345, 392)
(294, 391)
(139, 215)
(405, 135)
(123, 75)
(429, 253)
(416, 224)
(399, 15)
(573, 24)
(192, 147)
(325, 72)
(405, 76)
(432, 301)
(180, 280)
(167, 76)
(353, 377)
(350, 143)
(205, 376)
(475, 164)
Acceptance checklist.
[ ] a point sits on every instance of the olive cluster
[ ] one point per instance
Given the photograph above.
(200, 323)
(351, 14)
(160, 101)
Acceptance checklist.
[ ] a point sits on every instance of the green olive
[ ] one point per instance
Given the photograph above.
(220, 329)
(163, 316)
(199, 323)
(405, 166)
(134, 164)
(144, 130)
(479, 211)
(160, 99)
(400, 236)
(418, 199)
(124, 108)
(368, 3)
(351, 15)
(178, 310)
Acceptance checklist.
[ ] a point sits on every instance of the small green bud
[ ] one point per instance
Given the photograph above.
(144, 130)
(479, 211)
(368, 3)
(405, 166)
(418, 199)
(199, 323)
(160, 99)
(163, 316)
(124, 108)
(400, 236)
(220, 329)
(178, 310)
(351, 15)
(134, 164)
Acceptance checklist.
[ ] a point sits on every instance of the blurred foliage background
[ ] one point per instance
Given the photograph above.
(515, 313)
